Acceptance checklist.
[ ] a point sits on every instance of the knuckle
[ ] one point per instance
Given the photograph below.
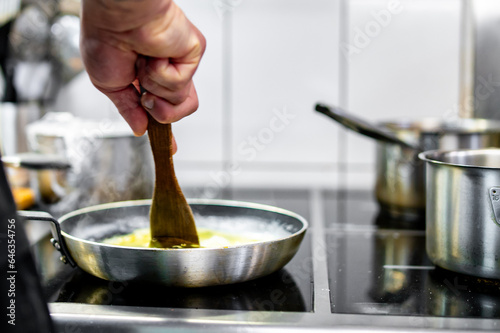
(176, 99)
(164, 117)
(195, 105)
(178, 83)
(149, 84)
(203, 44)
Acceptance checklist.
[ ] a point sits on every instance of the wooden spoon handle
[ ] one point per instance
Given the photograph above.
(160, 138)
(171, 219)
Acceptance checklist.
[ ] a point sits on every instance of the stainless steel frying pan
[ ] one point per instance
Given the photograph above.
(77, 236)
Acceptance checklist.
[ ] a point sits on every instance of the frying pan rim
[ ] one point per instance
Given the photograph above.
(212, 202)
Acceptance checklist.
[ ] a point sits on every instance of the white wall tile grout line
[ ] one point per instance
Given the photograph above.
(342, 150)
(343, 61)
(227, 95)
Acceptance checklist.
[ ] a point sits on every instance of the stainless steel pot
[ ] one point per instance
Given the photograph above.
(463, 210)
(400, 175)
(108, 163)
(77, 236)
(399, 187)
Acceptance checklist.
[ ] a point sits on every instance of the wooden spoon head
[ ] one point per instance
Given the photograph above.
(171, 219)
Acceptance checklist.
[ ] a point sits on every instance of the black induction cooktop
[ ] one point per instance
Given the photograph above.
(375, 264)
(289, 289)
(378, 265)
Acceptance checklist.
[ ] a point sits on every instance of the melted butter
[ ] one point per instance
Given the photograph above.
(208, 239)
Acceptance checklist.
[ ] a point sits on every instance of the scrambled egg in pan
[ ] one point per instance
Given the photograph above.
(208, 239)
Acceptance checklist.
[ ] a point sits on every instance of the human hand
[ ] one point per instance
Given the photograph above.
(151, 42)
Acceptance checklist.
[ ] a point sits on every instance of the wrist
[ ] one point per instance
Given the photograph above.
(123, 15)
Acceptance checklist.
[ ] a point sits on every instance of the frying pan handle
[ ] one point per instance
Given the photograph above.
(58, 240)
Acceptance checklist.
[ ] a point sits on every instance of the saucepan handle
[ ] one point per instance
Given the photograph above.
(58, 240)
(494, 193)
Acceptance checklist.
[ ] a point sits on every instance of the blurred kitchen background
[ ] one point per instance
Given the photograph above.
(266, 65)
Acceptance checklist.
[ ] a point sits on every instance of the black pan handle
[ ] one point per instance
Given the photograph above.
(362, 126)
(36, 161)
(58, 240)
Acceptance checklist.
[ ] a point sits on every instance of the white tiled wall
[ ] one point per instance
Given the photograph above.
(284, 61)
(406, 64)
(200, 137)
(269, 61)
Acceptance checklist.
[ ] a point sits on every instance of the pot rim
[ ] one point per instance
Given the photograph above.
(433, 157)
(64, 125)
(437, 125)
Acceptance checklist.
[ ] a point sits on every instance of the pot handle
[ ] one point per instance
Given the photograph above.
(58, 240)
(36, 161)
(494, 194)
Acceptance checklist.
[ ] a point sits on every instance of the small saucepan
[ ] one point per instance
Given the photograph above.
(400, 175)
(463, 210)
(78, 234)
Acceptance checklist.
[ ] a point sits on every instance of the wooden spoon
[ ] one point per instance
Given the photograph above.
(171, 219)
